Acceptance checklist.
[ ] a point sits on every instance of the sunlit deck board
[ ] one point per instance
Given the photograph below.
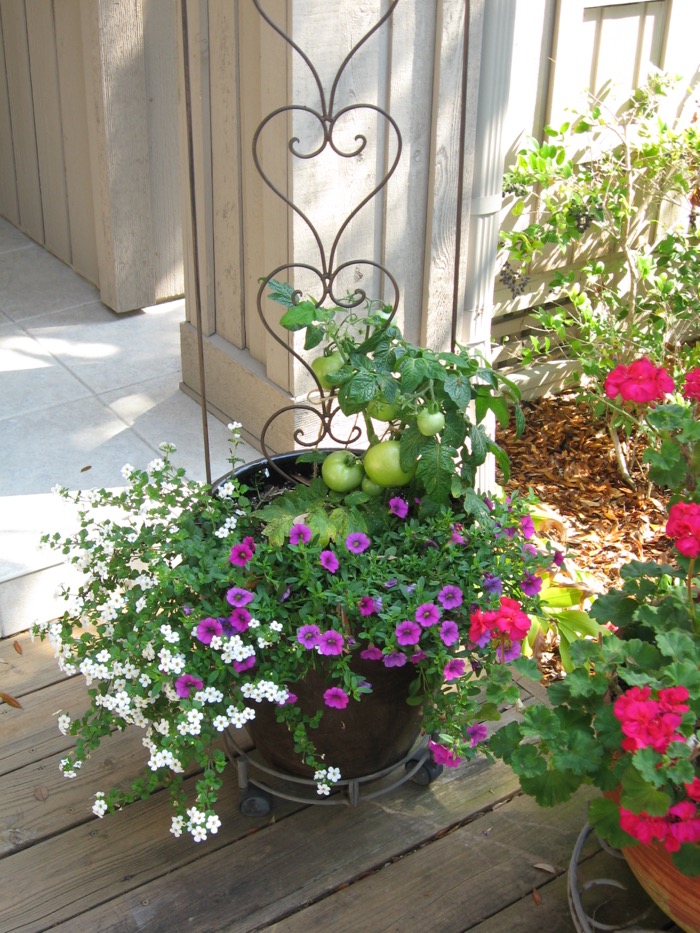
(454, 856)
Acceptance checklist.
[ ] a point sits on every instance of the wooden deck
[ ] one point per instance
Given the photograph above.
(466, 853)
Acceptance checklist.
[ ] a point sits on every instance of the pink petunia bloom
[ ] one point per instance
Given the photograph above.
(408, 633)
(357, 542)
(531, 584)
(449, 632)
(240, 619)
(371, 654)
(640, 382)
(684, 525)
(398, 507)
(299, 534)
(691, 387)
(243, 552)
(308, 635)
(454, 669)
(527, 526)
(329, 561)
(477, 733)
(368, 606)
(244, 665)
(336, 698)
(330, 643)
(207, 629)
(186, 685)
(427, 614)
(443, 756)
(450, 597)
(394, 659)
(237, 596)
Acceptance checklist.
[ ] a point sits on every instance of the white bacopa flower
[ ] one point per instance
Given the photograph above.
(127, 470)
(99, 807)
(155, 465)
(220, 723)
(64, 723)
(167, 447)
(323, 790)
(177, 825)
(276, 626)
(333, 775)
(199, 833)
(213, 823)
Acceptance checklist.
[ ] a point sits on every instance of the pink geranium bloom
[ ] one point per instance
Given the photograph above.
(684, 525)
(640, 382)
(691, 388)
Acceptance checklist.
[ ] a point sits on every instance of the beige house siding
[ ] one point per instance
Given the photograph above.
(89, 164)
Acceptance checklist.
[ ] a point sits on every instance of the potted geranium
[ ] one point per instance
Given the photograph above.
(201, 610)
(626, 718)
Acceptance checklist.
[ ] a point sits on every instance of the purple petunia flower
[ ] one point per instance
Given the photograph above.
(207, 629)
(417, 657)
(449, 632)
(408, 633)
(186, 685)
(369, 605)
(237, 596)
(528, 526)
(529, 550)
(187, 610)
(330, 643)
(450, 597)
(454, 669)
(371, 654)
(300, 534)
(558, 558)
(336, 697)
(240, 619)
(531, 584)
(510, 654)
(243, 552)
(427, 614)
(477, 733)
(457, 537)
(398, 507)
(329, 561)
(443, 756)
(357, 542)
(394, 659)
(244, 665)
(308, 635)
(493, 584)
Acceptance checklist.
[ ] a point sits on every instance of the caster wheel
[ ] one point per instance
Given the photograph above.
(254, 802)
(427, 772)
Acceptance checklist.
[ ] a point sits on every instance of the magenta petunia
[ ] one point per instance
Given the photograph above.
(207, 629)
(240, 619)
(330, 643)
(454, 669)
(527, 526)
(300, 534)
(243, 552)
(477, 733)
(329, 561)
(398, 507)
(186, 685)
(244, 665)
(450, 597)
(372, 654)
(531, 584)
(427, 614)
(394, 659)
(368, 606)
(443, 755)
(237, 596)
(449, 632)
(357, 542)
(408, 633)
(336, 698)
(308, 635)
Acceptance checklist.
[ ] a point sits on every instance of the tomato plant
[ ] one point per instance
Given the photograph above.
(383, 465)
(371, 488)
(381, 410)
(342, 471)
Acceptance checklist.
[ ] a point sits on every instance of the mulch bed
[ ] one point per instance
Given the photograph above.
(566, 457)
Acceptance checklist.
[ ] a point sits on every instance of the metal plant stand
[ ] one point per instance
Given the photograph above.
(583, 921)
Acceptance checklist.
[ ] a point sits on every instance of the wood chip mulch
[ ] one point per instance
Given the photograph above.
(566, 457)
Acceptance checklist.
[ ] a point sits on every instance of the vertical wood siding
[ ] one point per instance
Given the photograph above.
(71, 114)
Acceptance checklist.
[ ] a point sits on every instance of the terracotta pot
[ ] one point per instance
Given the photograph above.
(367, 736)
(675, 893)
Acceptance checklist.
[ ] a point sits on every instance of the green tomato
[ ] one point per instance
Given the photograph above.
(430, 422)
(383, 465)
(323, 366)
(342, 471)
(381, 410)
(371, 488)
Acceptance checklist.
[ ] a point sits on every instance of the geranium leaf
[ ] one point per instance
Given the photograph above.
(551, 788)
(640, 796)
(687, 859)
(604, 815)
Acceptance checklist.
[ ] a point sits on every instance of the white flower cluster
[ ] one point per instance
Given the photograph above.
(64, 722)
(164, 759)
(265, 690)
(234, 649)
(169, 635)
(228, 527)
(93, 671)
(68, 770)
(324, 778)
(209, 695)
(199, 824)
(226, 490)
(234, 717)
(191, 724)
(99, 807)
(170, 663)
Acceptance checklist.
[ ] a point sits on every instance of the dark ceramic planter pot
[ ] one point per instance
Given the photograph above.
(369, 735)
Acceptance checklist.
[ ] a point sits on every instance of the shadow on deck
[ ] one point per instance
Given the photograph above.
(468, 852)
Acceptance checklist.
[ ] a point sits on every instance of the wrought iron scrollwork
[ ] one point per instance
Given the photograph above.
(329, 272)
